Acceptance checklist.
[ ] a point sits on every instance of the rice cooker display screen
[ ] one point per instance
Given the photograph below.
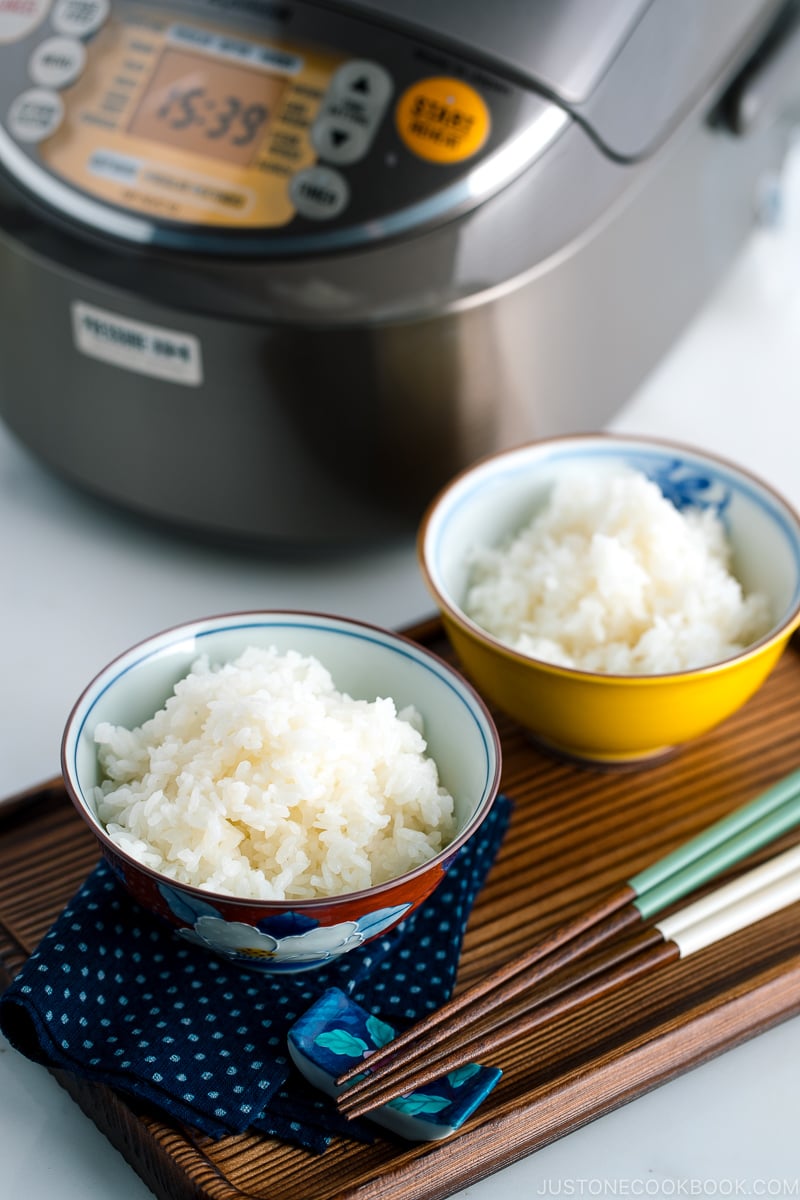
(191, 122)
(207, 107)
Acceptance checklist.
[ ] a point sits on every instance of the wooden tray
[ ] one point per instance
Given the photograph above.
(575, 833)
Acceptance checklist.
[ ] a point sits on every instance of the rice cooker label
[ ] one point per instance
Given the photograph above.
(18, 18)
(136, 346)
(442, 120)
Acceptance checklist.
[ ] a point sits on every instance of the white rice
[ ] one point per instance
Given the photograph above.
(611, 577)
(259, 779)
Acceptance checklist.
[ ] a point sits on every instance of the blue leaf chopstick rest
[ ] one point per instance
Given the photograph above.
(336, 1031)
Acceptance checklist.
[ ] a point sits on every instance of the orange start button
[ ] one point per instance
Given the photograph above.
(442, 120)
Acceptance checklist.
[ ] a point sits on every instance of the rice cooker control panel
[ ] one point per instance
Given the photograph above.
(282, 125)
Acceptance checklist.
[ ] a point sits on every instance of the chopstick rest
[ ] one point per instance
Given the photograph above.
(672, 877)
(336, 1030)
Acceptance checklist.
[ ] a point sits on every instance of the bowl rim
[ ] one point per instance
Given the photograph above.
(778, 632)
(399, 642)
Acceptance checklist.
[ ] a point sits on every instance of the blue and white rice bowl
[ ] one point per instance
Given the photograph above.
(365, 662)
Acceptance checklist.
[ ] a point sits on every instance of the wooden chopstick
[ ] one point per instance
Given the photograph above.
(471, 1042)
(745, 900)
(672, 877)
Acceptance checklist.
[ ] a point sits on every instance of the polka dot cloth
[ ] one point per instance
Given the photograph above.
(113, 995)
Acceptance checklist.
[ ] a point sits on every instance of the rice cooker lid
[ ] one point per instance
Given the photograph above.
(628, 70)
(563, 46)
(288, 127)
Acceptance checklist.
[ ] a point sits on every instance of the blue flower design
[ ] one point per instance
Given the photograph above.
(336, 1033)
(289, 941)
(687, 487)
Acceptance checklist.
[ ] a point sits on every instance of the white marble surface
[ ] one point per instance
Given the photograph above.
(78, 584)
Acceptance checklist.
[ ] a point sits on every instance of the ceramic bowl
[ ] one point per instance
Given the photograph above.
(603, 718)
(365, 662)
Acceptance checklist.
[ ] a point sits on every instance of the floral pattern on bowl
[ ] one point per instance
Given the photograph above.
(335, 1032)
(687, 487)
(285, 942)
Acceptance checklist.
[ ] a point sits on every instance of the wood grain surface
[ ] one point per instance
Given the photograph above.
(575, 833)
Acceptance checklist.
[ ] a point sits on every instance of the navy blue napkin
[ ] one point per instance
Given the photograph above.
(113, 995)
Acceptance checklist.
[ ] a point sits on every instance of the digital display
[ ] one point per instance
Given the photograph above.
(208, 106)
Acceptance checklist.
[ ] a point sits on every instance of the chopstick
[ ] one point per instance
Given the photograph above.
(669, 879)
(747, 899)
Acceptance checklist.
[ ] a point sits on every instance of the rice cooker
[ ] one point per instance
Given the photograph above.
(276, 269)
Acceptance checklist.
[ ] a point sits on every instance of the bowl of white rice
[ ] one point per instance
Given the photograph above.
(282, 787)
(617, 596)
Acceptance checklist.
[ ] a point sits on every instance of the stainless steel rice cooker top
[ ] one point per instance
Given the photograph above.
(296, 263)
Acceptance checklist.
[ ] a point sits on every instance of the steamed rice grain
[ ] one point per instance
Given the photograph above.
(259, 779)
(611, 577)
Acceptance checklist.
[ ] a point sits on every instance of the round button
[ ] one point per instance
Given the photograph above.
(80, 18)
(57, 62)
(339, 140)
(319, 193)
(18, 20)
(35, 114)
(442, 120)
(364, 81)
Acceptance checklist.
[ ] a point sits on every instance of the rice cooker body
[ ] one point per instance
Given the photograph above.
(280, 274)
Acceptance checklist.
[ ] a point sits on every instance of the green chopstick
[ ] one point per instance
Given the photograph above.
(721, 845)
